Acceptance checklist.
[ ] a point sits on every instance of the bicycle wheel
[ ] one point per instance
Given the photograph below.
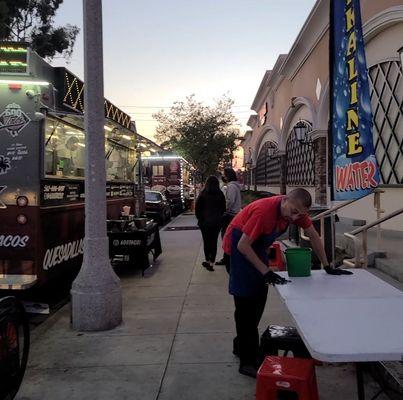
(14, 346)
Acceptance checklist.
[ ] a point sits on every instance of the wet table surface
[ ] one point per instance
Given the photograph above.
(354, 318)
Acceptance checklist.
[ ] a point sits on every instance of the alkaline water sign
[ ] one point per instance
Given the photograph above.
(355, 170)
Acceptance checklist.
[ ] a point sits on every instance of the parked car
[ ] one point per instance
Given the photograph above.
(157, 206)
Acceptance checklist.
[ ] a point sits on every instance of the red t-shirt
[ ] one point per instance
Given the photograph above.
(262, 217)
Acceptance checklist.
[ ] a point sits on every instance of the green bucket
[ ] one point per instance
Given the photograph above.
(299, 261)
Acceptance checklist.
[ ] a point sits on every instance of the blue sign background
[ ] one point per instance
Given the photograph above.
(341, 103)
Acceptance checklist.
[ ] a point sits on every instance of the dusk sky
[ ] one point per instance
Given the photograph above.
(160, 51)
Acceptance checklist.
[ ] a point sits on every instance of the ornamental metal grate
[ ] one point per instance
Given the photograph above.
(386, 80)
(300, 159)
(268, 166)
(273, 171)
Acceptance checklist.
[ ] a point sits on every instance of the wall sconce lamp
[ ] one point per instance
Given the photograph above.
(301, 133)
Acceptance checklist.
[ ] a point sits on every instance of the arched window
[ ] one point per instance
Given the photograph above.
(300, 159)
(386, 80)
(268, 165)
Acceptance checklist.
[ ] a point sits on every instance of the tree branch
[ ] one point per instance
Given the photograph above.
(11, 29)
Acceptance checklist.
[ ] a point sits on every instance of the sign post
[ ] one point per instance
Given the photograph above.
(355, 169)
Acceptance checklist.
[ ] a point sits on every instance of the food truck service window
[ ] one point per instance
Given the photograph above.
(65, 152)
(120, 157)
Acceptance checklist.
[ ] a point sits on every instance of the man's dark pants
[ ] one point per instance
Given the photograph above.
(248, 313)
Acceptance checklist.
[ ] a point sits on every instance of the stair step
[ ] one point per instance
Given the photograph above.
(391, 267)
(346, 244)
(359, 222)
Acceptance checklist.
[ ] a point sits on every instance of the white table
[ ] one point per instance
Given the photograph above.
(351, 330)
(348, 318)
(320, 285)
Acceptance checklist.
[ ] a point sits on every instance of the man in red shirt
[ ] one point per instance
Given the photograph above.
(246, 242)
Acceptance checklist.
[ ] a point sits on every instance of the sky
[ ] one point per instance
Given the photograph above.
(160, 51)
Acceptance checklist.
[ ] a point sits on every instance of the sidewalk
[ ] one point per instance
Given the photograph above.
(175, 342)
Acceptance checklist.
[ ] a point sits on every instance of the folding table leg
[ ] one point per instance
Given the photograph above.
(360, 381)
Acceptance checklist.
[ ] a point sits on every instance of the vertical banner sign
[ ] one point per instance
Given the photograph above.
(355, 170)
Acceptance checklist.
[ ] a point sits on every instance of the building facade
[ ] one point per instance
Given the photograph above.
(296, 91)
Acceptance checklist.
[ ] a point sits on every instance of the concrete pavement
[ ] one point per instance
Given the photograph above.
(175, 341)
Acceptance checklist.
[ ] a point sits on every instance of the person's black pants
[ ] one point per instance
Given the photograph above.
(248, 312)
(210, 238)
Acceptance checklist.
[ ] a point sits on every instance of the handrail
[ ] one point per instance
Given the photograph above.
(377, 222)
(345, 204)
(360, 259)
(331, 212)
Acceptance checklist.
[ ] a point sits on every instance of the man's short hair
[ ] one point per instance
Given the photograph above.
(302, 195)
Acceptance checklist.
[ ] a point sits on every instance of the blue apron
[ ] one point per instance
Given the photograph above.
(245, 280)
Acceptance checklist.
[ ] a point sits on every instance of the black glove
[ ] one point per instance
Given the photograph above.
(270, 278)
(337, 271)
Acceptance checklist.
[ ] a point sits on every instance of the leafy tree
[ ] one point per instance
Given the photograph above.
(204, 135)
(32, 21)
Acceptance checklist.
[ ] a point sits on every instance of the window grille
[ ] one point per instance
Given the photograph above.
(300, 159)
(386, 84)
(268, 166)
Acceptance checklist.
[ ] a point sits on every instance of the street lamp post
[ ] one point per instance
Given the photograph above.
(96, 293)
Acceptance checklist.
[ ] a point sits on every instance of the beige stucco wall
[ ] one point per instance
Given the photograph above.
(376, 50)
(316, 66)
(282, 102)
(303, 85)
(372, 7)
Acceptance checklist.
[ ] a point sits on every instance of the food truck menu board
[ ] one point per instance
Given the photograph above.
(119, 190)
(13, 58)
(57, 192)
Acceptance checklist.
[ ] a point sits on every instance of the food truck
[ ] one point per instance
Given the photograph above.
(170, 175)
(42, 171)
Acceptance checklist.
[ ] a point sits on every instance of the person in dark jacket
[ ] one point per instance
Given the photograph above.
(210, 207)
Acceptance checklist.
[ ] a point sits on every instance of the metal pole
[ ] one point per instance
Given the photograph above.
(379, 212)
(365, 249)
(322, 230)
(333, 236)
(96, 293)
